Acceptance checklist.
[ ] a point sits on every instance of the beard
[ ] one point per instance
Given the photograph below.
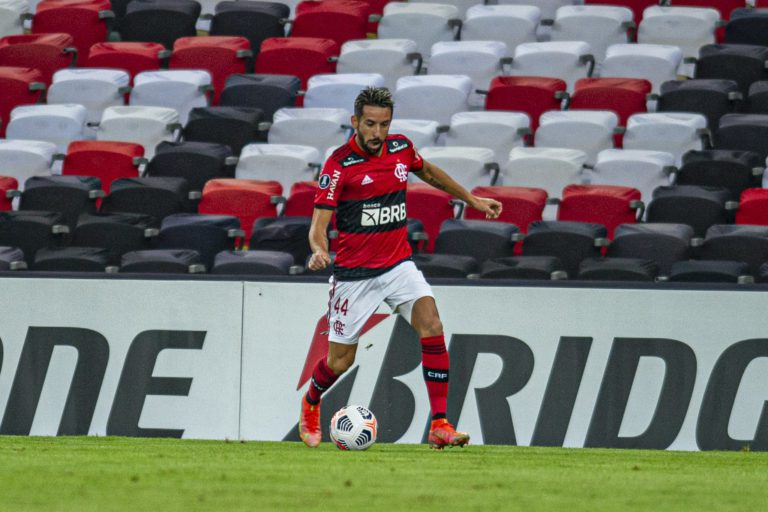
(364, 145)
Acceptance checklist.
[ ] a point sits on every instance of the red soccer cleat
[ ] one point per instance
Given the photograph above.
(443, 434)
(309, 424)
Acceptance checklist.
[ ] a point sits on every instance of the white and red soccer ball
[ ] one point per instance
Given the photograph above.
(353, 427)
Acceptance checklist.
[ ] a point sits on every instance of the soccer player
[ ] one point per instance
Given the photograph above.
(364, 182)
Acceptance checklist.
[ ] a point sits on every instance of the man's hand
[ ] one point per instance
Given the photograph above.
(319, 260)
(490, 207)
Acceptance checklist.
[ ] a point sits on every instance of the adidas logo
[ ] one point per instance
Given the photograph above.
(367, 180)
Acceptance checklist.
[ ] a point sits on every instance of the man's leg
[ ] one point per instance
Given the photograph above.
(326, 372)
(435, 363)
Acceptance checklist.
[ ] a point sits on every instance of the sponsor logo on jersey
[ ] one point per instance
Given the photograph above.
(401, 172)
(334, 182)
(367, 180)
(324, 182)
(352, 160)
(394, 146)
(383, 215)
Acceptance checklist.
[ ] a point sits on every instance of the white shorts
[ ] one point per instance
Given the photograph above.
(352, 303)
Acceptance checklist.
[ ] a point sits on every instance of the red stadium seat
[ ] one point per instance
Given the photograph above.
(533, 95)
(45, 52)
(753, 207)
(105, 160)
(132, 57)
(298, 56)
(7, 185)
(84, 20)
(221, 56)
(339, 20)
(301, 200)
(19, 86)
(600, 204)
(431, 207)
(247, 200)
(520, 205)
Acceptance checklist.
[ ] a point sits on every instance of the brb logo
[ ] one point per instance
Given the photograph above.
(381, 215)
(401, 172)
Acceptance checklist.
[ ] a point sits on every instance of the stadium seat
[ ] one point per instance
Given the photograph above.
(285, 234)
(95, 89)
(256, 21)
(642, 169)
(446, 265)
(597, 25)
(590, 131)
(711, 272)
(550, 169)
(392, 58)
(21, 159)
(523, 267)
(273, 263)
(617, 269)
(68, 195)
(116, 232)
(699, 207)
(431, 206)
(480, 239)
(12, 258)
(712, 98)
(510, 24)
(131, 57)
(479, 60)
(105, 160)
(498, 131)
(520, 205)
(232, 126)
(663, 244)
(423, 23)
(162, 261)
(148, 126)
(607, 205)
(20, 86)
(269, 93)
(742, 63)
(570, 242)
(195, 162)
(159, 21)
(470, 166)
(9, 187)
(87, 21)
(746, 132)
(339, 20)
(747, 26)
(744, 243)
(422, 132)
(624, 96)
(672, 132)
(205, 234)
(72, 259)
(11, 14)
(31, 230)
(548, 7)
(321, 128)
(285, 163)
(246, 199)
(181, 90)
(530, 94)
(637, 6)
(221, 56)
(155, 197)
(45, 52)
(724, 7)
(298, 56)
(753, 207)
(566, 60)
(757, 98)
(59, 124)
(656, 63)
(734, 170)
(433, 97)
(338, 90)
(301, 199)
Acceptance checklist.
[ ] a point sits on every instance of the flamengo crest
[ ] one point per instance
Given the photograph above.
(401, 172)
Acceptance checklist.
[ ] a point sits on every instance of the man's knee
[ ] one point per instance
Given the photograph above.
(425, 318)
(340, 363)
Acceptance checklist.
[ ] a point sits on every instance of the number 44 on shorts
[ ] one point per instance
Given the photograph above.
(341, 306)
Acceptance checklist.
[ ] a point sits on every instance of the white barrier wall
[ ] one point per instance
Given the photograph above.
(677, 369)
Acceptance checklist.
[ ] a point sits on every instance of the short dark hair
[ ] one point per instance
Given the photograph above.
(375, 97)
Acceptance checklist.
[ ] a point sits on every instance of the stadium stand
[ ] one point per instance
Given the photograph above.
(205, 234)
(339, 20)
(480, 239)
(181, 90)
(531, 95)
(12, 13)
(21, 159)
(303, 57)
(699, 207)
(148, 126)
(231, 126)
(391, 58)
(116, 232)
(566, 60)
(509, 24)
(498, 131)
(31, 230)
(247, 200)
(69, 195)
(551, 169)
(746, 132)
(254, 263)
(607, 205)
(446, 265)
(712, 98)
(87, 21)
(72, 259)
(734, 170)
(129, 56)
(671, 132)
(656, 63)
(590, 131)
(521, 205)
(321, 128)
(300, 200)
(21, 86)
(104, 160)
(164, 261)
(599, 26)
(642, 169)
(159, 21)
(741, 63)
(744, 243)
(285, 163)
(747, 26)
(523, 267)
(46, 53)
(338, 90)
(470, 166)
(284, 234)
(569, 242)
(269, 93)
(757, 99)
(196, 162)
(155, 197)
(12, 258)
(433, 97)
(256, 21)
(9, 187)
(423, 23)
(58, 124)
(662, 243)
(431, 207)
(617, 269)
(711, 272)
(753, 207)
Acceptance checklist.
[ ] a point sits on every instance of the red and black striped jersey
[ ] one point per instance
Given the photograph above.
(368, 194)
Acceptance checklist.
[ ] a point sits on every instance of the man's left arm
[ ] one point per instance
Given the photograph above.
(438, 178)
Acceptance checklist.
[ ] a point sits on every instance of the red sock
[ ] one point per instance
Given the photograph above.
(435, 363)
(322, 378)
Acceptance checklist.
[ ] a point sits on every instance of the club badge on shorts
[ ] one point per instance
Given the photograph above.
(401, 172)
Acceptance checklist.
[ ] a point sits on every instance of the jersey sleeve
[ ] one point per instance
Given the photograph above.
(417, 163)
(330, 184)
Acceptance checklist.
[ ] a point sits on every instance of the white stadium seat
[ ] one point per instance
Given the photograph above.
(641, 169)
(598, 25)
(425, 24)
(285, 163)
(499, 131)
(422, 132)
(59, 124)
(656, 63)
(548, 7)
(470, 166)
(392, 58)
(11, 12)
(23, 159)
(338, 90)
(509, 24)
(320, 128)
(479, 60)
(567, 60)
(673, 132)
(590, 131)
(181, 90)
(148, 126)
(434, 97)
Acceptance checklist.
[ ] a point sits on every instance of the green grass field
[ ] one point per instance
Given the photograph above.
(106, 474)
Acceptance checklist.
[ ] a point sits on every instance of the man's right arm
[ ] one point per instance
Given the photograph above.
(318, 239)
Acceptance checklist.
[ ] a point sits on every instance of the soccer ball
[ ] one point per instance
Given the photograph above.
(353, 428)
